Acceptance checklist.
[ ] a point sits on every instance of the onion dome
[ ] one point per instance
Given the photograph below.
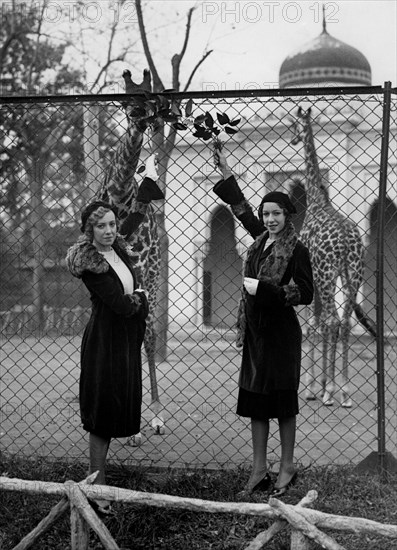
(325, 60)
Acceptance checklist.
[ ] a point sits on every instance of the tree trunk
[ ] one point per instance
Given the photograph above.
(162, 322)
(163, 290)
(37, 234)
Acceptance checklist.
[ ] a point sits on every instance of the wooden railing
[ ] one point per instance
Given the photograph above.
(305, 523)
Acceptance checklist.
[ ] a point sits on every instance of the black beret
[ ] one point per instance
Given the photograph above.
(280, 198)
(90, 208)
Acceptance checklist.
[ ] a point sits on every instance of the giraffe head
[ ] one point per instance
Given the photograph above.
(135, 108)
(298, 126)
(314, 184)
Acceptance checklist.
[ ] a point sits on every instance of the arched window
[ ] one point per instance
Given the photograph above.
(222, 272)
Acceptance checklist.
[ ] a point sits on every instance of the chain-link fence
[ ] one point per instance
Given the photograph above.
(56, 151)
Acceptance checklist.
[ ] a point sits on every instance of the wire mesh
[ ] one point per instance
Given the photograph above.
(54, 157)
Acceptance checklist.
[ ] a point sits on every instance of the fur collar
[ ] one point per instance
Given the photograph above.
(84, 256)
(273, 268)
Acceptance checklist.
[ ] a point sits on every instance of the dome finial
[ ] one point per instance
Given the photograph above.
(324, 22)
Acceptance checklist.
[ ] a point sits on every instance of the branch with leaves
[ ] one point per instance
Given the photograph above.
(160, 107)
(206, 128)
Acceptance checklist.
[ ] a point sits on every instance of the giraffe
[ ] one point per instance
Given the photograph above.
(336, 251)
(120, 188)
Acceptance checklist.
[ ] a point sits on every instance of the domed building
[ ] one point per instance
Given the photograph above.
(325, 60)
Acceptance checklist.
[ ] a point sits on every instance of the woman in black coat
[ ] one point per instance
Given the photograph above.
(111, 364)
(277, 276)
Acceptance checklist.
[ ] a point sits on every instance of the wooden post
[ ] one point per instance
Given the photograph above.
(298, 540)
(55, 513)
(79, 532)
(79, 501)
(297, 521)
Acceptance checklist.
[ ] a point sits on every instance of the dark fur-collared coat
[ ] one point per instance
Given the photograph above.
(111, 364)
(271, 358)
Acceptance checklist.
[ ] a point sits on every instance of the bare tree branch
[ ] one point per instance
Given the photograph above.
(157, 83)
(34, 59)
(4, 48)
(177, 58)
(187, 33)
(103, 71)
(189, 80)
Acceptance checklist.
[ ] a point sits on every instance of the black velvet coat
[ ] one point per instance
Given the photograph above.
(271, 358)
(111, 364)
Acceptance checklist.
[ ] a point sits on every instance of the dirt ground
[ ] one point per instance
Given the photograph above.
(198, 387)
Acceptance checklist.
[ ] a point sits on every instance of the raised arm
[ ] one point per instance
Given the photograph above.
(229, 192)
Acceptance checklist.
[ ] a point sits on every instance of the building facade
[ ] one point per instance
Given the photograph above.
(207, 245)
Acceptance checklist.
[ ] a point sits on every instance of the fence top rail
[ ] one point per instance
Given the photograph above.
(287, 92)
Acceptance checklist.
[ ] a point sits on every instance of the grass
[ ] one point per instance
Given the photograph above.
(340, 491)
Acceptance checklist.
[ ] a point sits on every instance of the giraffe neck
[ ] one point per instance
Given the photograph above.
(316, 195)
(119, 183)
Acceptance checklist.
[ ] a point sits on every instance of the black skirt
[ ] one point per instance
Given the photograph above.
(276, 404)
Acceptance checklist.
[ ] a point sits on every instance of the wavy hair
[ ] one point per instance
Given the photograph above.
(93, 219)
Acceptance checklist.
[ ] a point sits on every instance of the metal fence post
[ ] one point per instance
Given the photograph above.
(381, 461)
(382, 456)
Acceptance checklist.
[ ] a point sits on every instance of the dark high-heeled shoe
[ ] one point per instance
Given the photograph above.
(263, 484)
(279, 491)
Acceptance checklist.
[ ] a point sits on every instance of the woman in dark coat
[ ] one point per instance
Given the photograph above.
(277, 276)
(111, 364)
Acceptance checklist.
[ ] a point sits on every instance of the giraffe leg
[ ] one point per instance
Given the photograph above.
(329, 358)
(346, 401)
(324, 365)
(310, 394)
(156, 407)
(135, 440)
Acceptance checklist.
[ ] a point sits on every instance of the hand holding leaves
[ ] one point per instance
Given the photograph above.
(205, 126)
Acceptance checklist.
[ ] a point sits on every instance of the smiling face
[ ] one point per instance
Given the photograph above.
(104, 230)
(274, 218)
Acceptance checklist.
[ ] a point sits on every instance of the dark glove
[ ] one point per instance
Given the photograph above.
(144, 309)
(229, 191)
(149, 191)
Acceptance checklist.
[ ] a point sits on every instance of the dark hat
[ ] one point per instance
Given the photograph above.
(90, 208)
(280, 198)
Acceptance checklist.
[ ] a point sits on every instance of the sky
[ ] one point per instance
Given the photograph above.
(251, 39)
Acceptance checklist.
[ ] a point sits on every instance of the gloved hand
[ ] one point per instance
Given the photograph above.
(251, 285)
(144, 291)
(151, 168)
(149, 191)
